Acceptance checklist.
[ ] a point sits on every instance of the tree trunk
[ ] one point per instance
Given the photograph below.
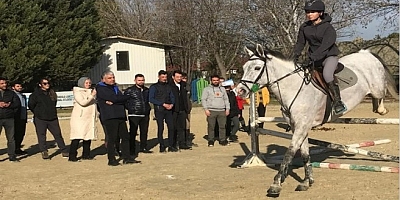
(221, 65)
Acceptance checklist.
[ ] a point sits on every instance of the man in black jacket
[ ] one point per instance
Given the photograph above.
(9, 102)
(180, 110)
(160, 95)
(232, 120)
(43, 104)
(111, 103)
(20, 118)
(138, 113)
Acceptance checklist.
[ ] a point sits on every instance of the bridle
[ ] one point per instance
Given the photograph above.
(285, 109)
(264, 68)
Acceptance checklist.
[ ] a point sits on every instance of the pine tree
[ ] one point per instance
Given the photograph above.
(46, 38)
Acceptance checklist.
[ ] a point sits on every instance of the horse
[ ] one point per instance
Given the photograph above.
(303, 104)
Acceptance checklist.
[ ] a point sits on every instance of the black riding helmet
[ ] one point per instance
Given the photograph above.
(314, 5)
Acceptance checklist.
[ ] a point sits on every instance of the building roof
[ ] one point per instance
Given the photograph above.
(147, 42)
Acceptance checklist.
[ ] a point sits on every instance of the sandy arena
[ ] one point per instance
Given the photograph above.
(204, 172)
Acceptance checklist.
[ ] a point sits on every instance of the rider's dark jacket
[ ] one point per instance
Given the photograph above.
(320, 37)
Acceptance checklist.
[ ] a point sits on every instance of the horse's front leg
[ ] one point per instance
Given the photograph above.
(299, 135)
(279, 178)
(308, 178)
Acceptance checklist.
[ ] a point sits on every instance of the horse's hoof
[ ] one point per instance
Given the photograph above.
(302, 187)
(274, 191)
(386, 111)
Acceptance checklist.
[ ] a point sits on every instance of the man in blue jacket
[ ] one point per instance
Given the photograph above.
(160, 94)
(111, 103)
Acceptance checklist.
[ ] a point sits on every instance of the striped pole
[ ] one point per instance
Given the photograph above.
(325, 150)
(340, 120)
(369, 143)
(341, 147)
(369, 168)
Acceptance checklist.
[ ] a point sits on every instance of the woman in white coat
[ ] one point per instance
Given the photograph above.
(83, 119)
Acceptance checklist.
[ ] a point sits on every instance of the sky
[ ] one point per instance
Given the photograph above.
(373, 29)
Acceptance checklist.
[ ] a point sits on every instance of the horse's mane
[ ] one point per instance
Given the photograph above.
(276, 54)
(271, 52)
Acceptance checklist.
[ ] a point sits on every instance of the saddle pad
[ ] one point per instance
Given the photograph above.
(346, 78)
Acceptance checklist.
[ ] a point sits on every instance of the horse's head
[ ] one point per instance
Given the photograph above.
(254, 71)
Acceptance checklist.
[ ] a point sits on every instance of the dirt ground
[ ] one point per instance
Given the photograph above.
(204, 172)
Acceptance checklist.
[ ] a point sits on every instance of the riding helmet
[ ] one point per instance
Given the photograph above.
(314, 5)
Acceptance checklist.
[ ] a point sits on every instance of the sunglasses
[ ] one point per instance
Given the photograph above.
(45, 83)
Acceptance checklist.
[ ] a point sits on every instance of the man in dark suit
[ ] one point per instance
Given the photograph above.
(9, 102)
(20, 118)
(180, 110)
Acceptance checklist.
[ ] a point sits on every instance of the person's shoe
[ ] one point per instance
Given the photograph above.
(210, 143)
(45, 155)
(144, 150)
(65, 155)
(13, 159)
(130, 161)
(73, 160)
(172, 149)
(224, 143)
(20, 152)
(113, 163)
(233, 138)
(194, 145)
(185, 147)
(246, 129)
(163, 149)
(87, 158)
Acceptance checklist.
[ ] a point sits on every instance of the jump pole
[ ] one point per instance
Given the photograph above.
(325, 150)
(369, 168)
(341, 120)
(334, 146)
(253, 159)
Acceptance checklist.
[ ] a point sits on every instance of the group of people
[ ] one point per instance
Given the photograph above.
(222, 106)
(13, 117)
(107, 103)
(171, 105)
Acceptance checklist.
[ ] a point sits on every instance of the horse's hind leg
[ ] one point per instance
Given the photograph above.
(308, 178)
(378, 107)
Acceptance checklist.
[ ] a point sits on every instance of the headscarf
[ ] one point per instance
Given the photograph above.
(81, 82)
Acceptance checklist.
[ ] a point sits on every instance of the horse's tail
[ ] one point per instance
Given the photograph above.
(390, 83)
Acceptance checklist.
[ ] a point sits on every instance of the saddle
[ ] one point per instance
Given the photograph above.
(319, 81)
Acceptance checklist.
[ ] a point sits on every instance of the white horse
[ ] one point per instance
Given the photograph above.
(303, 104)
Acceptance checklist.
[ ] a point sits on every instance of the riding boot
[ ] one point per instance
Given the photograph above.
(338, 105)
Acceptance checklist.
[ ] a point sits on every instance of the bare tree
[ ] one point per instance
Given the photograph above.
(224, 25)
(277, 21)
(131, 18)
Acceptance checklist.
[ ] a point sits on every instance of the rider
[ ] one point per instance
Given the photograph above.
(321, 37)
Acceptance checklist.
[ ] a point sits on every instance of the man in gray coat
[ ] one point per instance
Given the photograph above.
(216, 106)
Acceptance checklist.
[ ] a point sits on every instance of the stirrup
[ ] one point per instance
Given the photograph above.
(340, 103)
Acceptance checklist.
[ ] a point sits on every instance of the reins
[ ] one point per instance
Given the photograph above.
(306, 80)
